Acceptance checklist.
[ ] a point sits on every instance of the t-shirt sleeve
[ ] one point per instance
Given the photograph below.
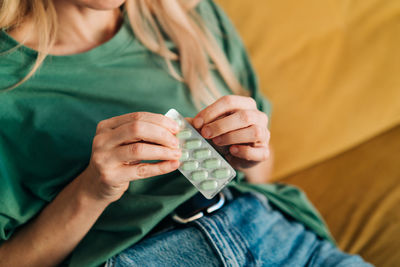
(231, 43)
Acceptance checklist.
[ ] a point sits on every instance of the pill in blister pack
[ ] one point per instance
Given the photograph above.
(200, 163)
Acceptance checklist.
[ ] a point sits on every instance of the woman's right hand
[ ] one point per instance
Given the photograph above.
(119, 146)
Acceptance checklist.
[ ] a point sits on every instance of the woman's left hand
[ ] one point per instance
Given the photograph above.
(235, 121)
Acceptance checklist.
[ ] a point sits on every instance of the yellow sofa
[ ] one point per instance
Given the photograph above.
(332, 72)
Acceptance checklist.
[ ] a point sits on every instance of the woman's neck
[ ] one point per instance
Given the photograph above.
(79, 29)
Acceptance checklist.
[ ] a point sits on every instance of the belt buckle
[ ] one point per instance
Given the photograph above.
(200, 214)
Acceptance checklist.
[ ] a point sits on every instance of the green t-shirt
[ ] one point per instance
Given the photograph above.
(47, 126)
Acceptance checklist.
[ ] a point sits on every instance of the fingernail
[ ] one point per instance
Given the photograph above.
(217, 139)
(198, 122)
(206, 132)
(234, 150)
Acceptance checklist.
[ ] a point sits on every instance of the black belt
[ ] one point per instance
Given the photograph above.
(196, 207)
(192, 209)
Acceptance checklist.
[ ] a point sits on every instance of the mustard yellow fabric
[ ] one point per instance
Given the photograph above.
(331, 69)
(358, 194)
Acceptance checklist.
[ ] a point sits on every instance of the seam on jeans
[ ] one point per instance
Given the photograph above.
(233, 244)
(230, 245)
(215, 231)
(312, 257)
(233, 248)
(241, 241)
(205, 229)
(218, 235)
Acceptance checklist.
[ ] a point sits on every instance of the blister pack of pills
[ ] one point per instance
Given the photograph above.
(201, 164)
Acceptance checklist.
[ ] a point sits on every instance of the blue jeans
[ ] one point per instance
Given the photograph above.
(247, 231)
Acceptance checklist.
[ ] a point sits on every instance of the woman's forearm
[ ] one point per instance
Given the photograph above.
(56, 231)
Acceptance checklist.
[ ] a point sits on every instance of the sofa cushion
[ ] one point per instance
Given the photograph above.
(358, 194)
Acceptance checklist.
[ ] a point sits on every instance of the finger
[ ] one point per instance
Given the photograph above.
(250, 153)
(154, 118)
(143, 151)
(240, 164)
(145, 170)
(141, 131)
(190, 120)
(239, 119)
(223, 105)
(255, 134)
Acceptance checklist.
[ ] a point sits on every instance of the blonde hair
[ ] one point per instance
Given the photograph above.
(177, 18)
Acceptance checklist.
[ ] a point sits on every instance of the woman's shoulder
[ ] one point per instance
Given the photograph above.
(15, 60)
(215, 17)
(8, 48)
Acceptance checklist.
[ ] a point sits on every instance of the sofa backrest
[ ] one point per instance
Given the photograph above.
(330, 68)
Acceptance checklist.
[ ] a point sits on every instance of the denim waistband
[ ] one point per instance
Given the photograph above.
(247, 231)
(230, 194)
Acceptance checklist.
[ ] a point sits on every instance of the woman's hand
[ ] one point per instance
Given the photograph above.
(121, 143)
(235, 121)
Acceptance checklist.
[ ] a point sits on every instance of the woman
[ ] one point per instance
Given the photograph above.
(84, 86)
